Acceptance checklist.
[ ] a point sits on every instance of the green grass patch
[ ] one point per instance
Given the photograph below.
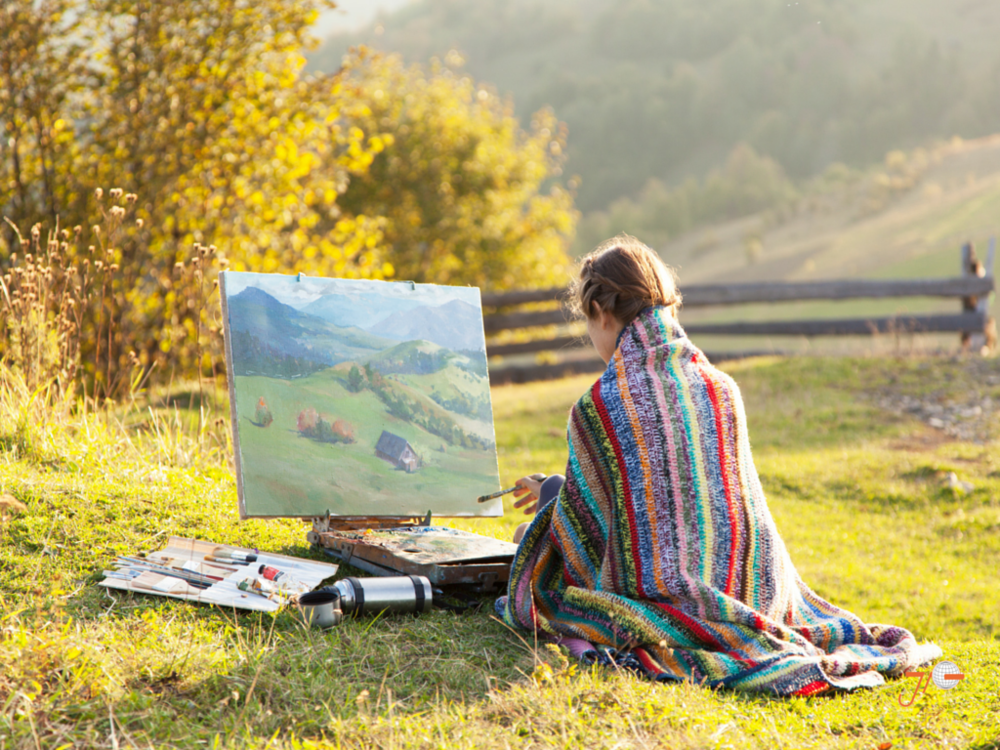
(860, 496)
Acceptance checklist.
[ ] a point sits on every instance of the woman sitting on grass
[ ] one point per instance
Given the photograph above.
(659, 547)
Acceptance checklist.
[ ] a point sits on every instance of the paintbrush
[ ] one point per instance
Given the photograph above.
(218, 567)
(207, 562)
(187, 575)
(130, 574)
(179, 564)
(126, 575)
(234, 555)
(501, 493)
(227, 562)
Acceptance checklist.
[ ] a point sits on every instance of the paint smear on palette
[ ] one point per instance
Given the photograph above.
(358, 398)
(438, 544)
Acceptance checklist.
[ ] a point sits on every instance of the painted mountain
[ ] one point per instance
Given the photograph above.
(271, 338)
(348, 307)
(455, 325)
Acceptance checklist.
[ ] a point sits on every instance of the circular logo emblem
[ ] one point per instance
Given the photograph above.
(946, 675)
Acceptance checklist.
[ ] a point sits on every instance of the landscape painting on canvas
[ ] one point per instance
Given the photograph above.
(358, 398)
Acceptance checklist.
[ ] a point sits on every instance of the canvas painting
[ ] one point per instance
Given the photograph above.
(358, 398)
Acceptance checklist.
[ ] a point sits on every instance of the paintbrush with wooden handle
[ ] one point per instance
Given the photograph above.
(501, 493)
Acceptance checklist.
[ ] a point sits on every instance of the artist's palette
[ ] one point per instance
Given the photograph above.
(445, 556)
(440, 545)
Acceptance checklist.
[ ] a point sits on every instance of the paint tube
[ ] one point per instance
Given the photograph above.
(260, 587)
(270, 589)
(235, 555)
(285, 581)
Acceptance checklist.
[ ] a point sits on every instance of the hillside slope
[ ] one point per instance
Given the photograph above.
(667, 88)
(954, 198)
(861, 231)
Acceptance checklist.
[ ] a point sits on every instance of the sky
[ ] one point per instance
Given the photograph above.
(353, 14)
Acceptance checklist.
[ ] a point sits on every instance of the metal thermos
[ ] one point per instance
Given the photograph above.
(390, 594)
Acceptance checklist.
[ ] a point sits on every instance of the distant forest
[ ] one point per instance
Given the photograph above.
(668, 90)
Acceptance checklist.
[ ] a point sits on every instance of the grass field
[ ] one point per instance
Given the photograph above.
(860, 495)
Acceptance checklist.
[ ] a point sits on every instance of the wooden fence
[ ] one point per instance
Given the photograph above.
(973, 288)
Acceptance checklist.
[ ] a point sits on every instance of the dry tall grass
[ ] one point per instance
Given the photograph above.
(71, 323)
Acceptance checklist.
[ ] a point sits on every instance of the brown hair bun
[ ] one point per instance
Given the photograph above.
(623, 276)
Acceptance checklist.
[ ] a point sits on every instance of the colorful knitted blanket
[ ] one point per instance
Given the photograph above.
(661, 545)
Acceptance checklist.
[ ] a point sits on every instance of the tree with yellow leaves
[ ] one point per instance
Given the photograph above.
(468, 197)
(215, 149)
(198, 107)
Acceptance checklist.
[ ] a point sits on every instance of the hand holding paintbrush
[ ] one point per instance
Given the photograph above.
(529, 485)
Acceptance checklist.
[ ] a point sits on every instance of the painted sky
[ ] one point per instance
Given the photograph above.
(374, 300)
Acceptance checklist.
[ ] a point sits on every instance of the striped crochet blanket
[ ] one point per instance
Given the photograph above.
(661, 545)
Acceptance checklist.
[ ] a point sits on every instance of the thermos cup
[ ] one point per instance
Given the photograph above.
(320, 609)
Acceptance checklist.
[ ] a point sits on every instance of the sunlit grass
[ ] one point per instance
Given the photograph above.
(858, 494)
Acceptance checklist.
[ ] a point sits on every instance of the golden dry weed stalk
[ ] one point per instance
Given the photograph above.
(198, 280)
(69, 309)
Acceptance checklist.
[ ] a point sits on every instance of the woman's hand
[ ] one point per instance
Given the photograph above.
(527, 492)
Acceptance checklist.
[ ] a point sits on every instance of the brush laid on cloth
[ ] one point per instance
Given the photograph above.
(197, 579)
(661, 550)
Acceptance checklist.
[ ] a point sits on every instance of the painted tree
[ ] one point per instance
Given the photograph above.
(355, 380)
(262, 414)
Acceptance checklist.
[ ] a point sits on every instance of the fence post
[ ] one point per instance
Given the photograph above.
(970, 267)
(989, 335)
(980, 341)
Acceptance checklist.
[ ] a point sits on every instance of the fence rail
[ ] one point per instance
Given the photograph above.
(710, 295)
(973, 288)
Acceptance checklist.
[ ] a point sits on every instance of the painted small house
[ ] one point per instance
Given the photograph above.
(396, 451)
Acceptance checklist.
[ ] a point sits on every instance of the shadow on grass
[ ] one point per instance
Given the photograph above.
(410, 662)
(192, 399)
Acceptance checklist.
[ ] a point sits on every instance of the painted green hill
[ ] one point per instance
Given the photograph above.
(289, 474)
(415, 357)
(444, 386)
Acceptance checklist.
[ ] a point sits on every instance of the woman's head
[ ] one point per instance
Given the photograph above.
(622, 277)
